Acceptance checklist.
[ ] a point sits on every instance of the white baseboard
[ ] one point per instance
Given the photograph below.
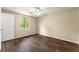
(61, 38)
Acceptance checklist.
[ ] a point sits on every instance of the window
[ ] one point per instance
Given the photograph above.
(24, 22)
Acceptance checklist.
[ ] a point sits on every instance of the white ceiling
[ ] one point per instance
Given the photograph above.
(46, 10)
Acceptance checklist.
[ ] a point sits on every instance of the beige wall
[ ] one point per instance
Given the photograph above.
(63, 25)
(32, 28)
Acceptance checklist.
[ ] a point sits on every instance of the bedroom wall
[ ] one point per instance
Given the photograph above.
(30, 30)
(62, 25)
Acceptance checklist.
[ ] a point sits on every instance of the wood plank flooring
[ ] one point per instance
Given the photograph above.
(38, 43)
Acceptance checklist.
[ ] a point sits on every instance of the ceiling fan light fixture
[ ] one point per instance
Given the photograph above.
(36, 11)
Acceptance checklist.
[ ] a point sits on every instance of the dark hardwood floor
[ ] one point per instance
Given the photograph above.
(38, 43)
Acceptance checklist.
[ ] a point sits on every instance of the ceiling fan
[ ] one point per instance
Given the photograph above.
(36, 11)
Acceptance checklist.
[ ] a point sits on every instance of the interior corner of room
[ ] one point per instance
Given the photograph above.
(61, 23)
